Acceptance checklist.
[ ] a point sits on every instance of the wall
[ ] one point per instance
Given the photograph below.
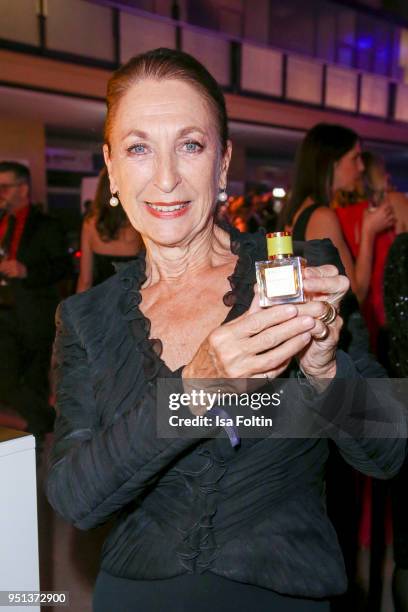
(24, 140)
(256, 22)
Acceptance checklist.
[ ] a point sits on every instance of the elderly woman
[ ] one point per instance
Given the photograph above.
(200, 524)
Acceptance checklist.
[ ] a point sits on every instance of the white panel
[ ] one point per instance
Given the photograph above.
(139, 35)
(374, 95)
(261, 70)
(18, 516)
(18, 21)
(212, 51)
(401, 106)
(304, 80)
(80, 27)
(341, 88)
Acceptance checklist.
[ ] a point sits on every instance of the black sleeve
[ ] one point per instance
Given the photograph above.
(94, 472)
(363, 417)
(49, 262)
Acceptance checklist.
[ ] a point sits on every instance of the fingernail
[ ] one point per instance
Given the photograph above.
(306, 337)
(308, 322)
(291, 310)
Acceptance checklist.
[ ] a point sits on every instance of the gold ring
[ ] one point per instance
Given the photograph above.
(330, 314)
(323, 335)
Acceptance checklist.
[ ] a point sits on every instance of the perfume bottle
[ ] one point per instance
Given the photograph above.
(280, 278)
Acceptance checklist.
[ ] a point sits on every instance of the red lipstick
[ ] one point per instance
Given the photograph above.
(168, 210)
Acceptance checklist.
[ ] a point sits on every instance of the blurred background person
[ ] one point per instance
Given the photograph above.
(377, 187)
(396, 305)
(396, 308)
(251, 211)
(328, 160)
(106, 237)
(34, 260)
(374, 191)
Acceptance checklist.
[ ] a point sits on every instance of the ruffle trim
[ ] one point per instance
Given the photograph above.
(248, 248)
(198, 548)
(133, 276)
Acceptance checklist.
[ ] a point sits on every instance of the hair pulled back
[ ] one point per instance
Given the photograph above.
(163, 64)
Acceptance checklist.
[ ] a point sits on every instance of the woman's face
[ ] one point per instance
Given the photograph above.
(348, 169)
(165, 160)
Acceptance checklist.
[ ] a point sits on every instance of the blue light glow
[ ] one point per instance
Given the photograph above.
(364, 42)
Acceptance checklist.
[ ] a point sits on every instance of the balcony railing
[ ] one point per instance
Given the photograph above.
(109, 34)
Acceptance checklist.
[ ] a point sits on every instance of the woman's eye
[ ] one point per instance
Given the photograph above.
(138, 149)
(192, 146)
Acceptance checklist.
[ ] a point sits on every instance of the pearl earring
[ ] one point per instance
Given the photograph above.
(223, 196)
(114, 201)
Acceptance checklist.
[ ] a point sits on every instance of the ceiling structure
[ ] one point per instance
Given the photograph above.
(76, 122)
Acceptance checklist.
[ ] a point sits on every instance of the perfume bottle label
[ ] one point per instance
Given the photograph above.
(280, 281)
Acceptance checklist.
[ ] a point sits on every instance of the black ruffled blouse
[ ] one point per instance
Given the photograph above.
(253, 513)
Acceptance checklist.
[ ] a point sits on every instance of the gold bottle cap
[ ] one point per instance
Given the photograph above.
(279, 243)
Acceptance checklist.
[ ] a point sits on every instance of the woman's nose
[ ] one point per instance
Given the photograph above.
(167, 176)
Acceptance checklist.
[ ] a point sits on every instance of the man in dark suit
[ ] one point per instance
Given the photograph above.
(33, 259)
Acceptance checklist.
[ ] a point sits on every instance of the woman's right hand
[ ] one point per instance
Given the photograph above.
(260, 342)
(379, 219)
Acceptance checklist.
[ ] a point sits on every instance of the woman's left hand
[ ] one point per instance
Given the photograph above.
(325, 286)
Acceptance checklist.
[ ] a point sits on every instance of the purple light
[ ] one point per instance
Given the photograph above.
(364, 42)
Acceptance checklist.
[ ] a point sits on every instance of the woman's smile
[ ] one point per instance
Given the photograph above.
(168, 210)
